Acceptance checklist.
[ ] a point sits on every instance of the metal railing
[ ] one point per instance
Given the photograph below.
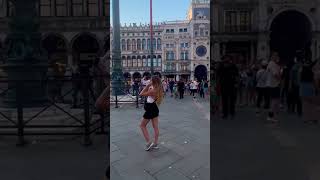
(127, 95)
(56, 116)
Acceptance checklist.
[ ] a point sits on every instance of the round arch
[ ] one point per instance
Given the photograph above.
(127, 75)
(146, 74)
(85, 34)
(201, 72)
(158, 74)
(85, 43)
(136, 75)
(56, 47)
(282, 10)
(289, 37)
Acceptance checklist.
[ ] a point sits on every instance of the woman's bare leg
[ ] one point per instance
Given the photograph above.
(143, 127)
(155, 125)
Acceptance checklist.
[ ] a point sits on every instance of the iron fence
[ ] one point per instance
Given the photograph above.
(127, 95)
(68, 108)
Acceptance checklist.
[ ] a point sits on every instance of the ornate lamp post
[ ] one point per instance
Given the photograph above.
(24, 57)
(117, 75)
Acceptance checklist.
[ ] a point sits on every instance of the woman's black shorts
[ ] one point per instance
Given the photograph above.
(152, 111)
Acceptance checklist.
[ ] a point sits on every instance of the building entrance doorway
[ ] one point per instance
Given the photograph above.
(291, 36)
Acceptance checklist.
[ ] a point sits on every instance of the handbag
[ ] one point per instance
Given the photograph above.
(102, 103)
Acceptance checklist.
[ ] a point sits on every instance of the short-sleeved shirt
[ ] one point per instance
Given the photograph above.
(274, 75)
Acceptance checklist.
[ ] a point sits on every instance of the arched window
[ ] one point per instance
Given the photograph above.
(128, 45)
(143, 44)
(144, 61)
(148, 44)
(139, 44)
(139, 61)
(134, 61)
(159, 44)
(134, 45)
(154, 43)
(159, 61)
(149, 61)
(123, 45)
(129, 61)
(124, 61)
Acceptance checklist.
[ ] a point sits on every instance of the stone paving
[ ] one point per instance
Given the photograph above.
(53, 158)
(184, 152)
(247, 148)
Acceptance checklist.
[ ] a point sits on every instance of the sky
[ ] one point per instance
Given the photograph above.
(137, 11)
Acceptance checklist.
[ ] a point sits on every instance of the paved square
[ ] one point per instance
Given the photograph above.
(184, 140)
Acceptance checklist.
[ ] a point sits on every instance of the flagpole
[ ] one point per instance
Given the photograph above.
(151, 39)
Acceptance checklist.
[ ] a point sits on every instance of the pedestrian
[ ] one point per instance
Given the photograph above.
(165, 87)
(273, 84)
(171, 85)
(261, 87)
(181, 89)
(295, 103)
(228, 78)
(250, 87)
(194, 88)
(242, 87)
(206, 87)
(201, 89)
(307, 91)
(154, 93)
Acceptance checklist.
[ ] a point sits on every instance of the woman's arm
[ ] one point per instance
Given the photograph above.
(146, 91)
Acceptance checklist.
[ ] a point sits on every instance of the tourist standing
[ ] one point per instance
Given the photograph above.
(273, 84)
(194, 88)
(181, 89)
(201, 89)
(228, 77)
(171, 85)
(154, 93)
(295, 103)
(307, 91)
(261, 87)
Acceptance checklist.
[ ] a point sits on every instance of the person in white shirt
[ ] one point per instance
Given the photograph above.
(273, 84)
(194, 87)
(261, 87)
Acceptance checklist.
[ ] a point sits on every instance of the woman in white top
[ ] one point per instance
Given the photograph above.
(154, 93)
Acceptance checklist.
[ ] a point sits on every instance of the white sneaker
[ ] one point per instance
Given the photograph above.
(155, 146)
(148, 146)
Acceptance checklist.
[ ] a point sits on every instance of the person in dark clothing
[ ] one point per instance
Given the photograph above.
(307, 91)
(228, 76)
(171, 84)
(201, 89)
(294, 99)
(181, 88)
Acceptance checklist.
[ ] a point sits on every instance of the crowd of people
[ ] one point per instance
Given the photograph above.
(267, 86)
(172, 87)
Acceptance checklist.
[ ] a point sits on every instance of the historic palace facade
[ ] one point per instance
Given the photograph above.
(181, 48)
(251, 30)
(68, 28)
